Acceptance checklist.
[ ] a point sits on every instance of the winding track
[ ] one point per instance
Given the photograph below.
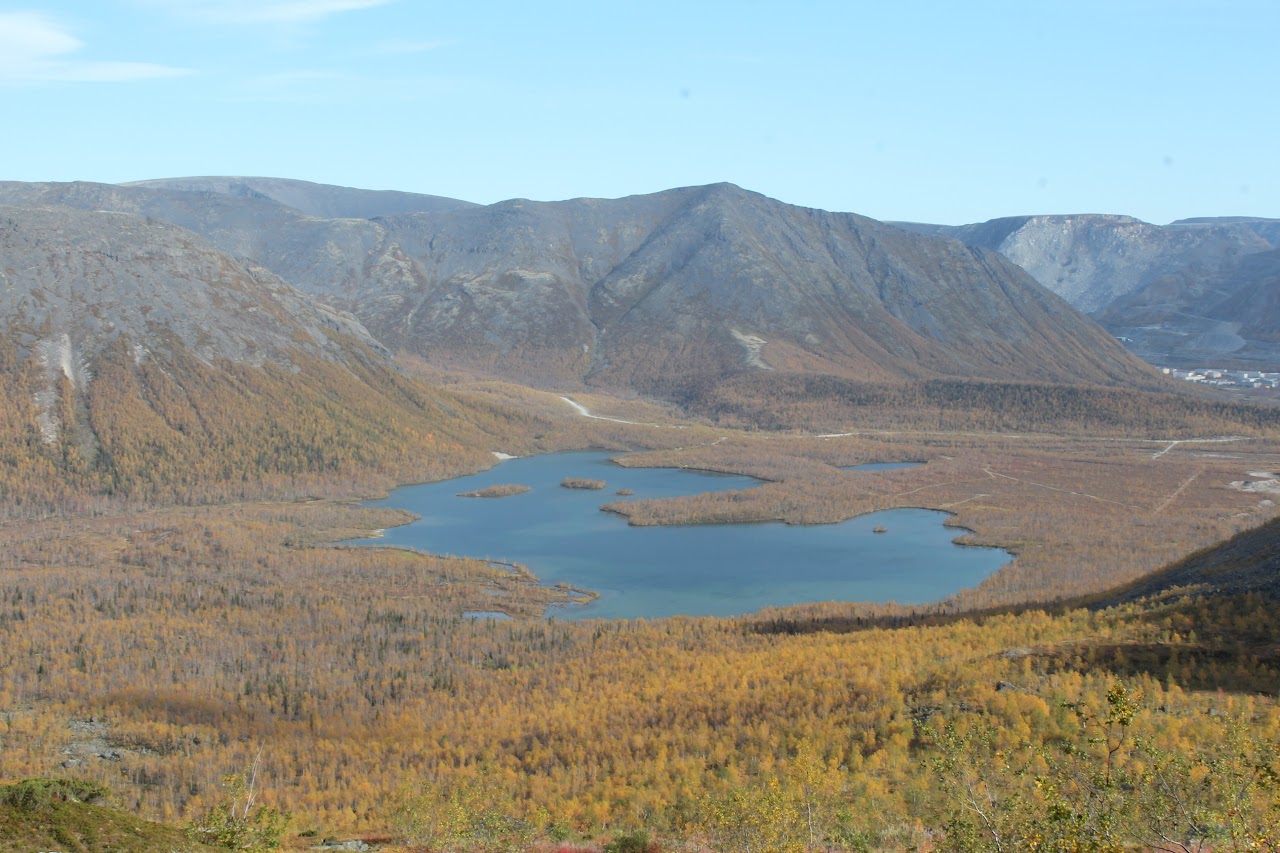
(586, 413)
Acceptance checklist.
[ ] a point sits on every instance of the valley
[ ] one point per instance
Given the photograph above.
(196, 636)
(203, 570)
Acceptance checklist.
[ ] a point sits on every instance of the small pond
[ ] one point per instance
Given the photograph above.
(694, 570)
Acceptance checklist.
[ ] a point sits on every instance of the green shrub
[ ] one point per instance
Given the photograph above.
(32, 794)
(632, 842)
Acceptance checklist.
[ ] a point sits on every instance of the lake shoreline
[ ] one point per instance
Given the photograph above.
(716, 568)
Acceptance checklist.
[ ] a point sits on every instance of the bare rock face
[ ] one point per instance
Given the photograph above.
(1228, 318)
(1093, 259)
(662, 293)
(1192, 291)
(74, 281)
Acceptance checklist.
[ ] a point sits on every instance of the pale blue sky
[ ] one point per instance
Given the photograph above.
(934, 111)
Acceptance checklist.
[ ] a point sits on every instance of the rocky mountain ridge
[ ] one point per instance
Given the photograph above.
(661, 293)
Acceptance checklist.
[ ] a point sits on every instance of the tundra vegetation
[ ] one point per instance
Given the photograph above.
(161, 650)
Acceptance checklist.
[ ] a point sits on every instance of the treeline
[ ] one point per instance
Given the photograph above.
(830, 403)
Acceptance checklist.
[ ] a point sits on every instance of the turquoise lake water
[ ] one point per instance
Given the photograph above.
(694, 570)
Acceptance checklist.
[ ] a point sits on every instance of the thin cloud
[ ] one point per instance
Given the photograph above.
(34, 49)
(266, 12)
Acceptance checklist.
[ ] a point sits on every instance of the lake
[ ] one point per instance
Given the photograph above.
(693, 570)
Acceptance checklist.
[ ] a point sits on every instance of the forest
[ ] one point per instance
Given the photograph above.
(172, 429)
(176, 644)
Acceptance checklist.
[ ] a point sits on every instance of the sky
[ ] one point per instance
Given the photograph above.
(947, 112)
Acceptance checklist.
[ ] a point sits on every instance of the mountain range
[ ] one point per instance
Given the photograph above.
(664, 294)
(1194, 292)
(215, 303)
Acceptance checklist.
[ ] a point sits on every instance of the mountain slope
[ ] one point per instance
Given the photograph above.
(662, 293)
(672, 290)
(95, 276)
(245, 226)
(768, 284)
(1190, 292)
(322, 200)
(1254, 289)
(1267, 229)
(137, 362)
(1233, 315)
(1247, 563)
(1092, 259)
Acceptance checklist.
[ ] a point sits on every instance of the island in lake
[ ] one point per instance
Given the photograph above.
(582, 483)
(498, 490)
(687, 570)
